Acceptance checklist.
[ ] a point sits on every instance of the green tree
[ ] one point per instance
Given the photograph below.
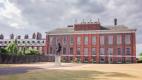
(3, 51)
(141, 56)
(31, 51)
(12, 48)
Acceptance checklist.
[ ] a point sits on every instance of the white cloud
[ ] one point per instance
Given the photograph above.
(28, 16)
(12, 15)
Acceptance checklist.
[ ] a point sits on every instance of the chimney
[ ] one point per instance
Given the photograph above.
(12, 36)
(70, 25)
(115, 21)
(26, 36)
(18, 37)
(34, 36)
(1, 36)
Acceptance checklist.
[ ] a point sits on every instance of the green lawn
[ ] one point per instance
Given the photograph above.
(69, 72)
(62, 75)
(5, 65)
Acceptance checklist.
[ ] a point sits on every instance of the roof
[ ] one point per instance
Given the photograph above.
(106, 29)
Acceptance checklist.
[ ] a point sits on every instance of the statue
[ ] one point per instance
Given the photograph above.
(58, 55)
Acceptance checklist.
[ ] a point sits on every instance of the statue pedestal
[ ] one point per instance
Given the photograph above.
(57, 60)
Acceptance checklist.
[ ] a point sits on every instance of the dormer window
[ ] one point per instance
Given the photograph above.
(38, 41)
(33, 41)
(18, 41)
(28, 41)
(23, 41)
(5, 42)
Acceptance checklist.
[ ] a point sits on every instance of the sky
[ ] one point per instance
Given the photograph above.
(28, 16)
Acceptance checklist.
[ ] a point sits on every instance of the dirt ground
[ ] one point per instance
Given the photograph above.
(106, 71)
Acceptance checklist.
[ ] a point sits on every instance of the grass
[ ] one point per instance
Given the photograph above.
(4, 65)
(82, 72)
(63, 75)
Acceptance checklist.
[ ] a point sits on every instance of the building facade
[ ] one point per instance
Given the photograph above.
(91, 42)
(35, 42)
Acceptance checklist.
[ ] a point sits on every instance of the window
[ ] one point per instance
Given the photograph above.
(28, 41)
(23, 41)
(0, 42)
(119, 59)
(38, 41)
(33, 41)
(71, 59)
(86, 40)
(65, 39)
(18, 41)
(71, 51)
(78, 58)
(127, 39)
(93, 40)
(119, 39)
(9, 41)
(5, 42)
(102, 40)
(78, 51)
(64, 50)
(94, 58)
(93, 51)
(119, 51)
(128, 51)
(85, 51)
(71, 40)
(110, 39)
(85, 59)
(78, 40)
(102, 51)
(110, 51)
(102, 59)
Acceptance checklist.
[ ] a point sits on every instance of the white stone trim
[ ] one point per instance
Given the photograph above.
(95, 32)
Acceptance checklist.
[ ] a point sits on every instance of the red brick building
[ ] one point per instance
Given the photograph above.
(92, 42)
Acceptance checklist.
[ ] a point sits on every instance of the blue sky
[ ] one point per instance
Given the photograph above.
(28, 16)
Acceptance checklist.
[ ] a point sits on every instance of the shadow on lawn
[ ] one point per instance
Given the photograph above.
(56, 74)
(15, 70)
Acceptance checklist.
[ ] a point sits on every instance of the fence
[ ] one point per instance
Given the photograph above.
(7, 59)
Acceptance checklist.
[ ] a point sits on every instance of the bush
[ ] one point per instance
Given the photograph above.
(31, 51)
(3, 51)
